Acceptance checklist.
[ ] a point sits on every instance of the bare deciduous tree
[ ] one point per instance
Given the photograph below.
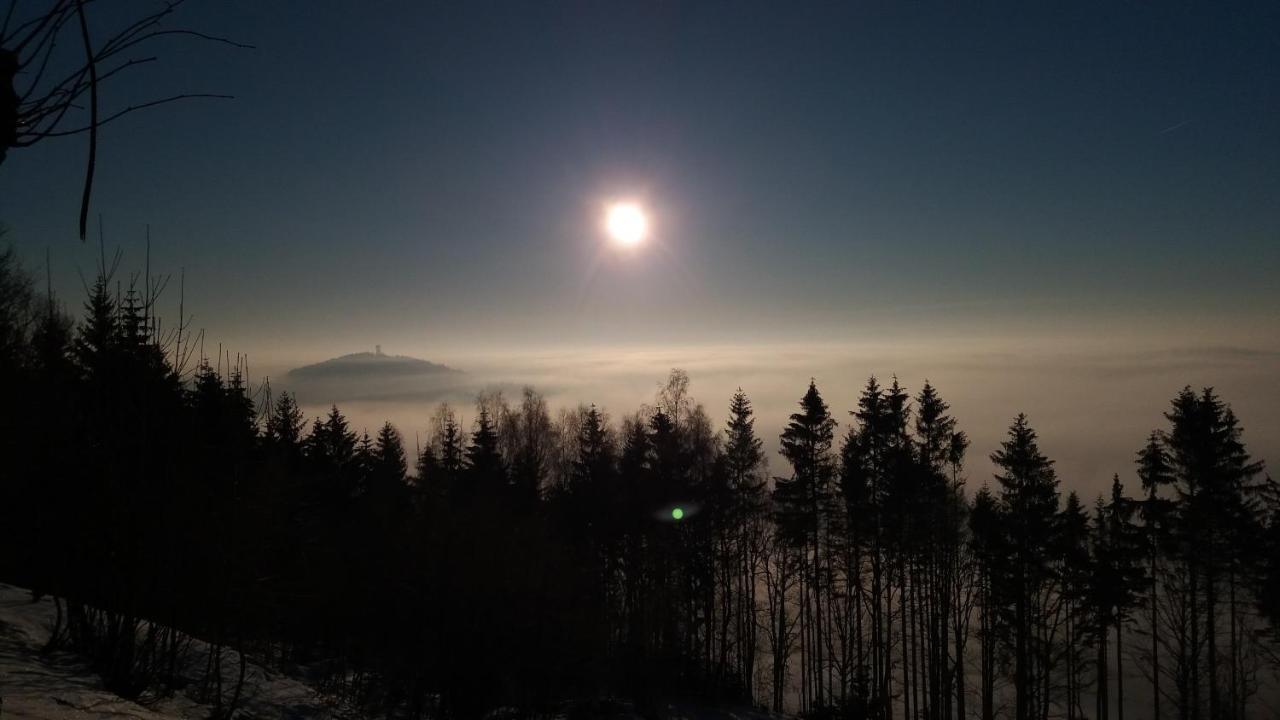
(52, 71)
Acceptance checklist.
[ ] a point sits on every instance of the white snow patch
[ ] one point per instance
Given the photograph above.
(60, 685)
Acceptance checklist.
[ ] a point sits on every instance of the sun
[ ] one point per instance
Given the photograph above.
(626, 224)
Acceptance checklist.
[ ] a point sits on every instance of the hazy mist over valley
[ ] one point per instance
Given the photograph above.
(1059, 384)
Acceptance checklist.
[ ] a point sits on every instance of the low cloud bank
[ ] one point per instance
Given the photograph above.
(1092, 406)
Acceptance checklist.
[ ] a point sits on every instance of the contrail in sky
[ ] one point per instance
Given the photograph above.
(1171, 128)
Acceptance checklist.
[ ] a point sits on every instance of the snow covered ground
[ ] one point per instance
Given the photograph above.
(59, 685)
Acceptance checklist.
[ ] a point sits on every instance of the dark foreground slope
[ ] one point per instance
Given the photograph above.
(34, 684)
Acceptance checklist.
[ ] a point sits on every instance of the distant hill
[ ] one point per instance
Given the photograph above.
(369, 365)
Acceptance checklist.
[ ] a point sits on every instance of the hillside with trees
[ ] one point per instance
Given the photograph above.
(535, 557)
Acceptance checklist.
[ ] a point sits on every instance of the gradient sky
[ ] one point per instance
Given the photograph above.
(1015, 188)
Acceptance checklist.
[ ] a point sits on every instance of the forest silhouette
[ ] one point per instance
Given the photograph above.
(533, 561)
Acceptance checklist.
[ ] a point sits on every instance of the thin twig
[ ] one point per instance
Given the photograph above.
(93, 120)
(132, 108)
(40, 22)
(4, 30)
(193, 33)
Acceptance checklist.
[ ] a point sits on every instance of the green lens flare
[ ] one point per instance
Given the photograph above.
(677, 513)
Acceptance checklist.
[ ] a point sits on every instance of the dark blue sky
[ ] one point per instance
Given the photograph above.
(429, 175)
(1069, 209)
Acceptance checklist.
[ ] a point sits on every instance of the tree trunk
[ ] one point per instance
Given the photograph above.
(1103, 701)
(235, 698)
(1021, 679)
(1155, 645)
(902, 631)
(1211, 631)
(1119, 670)
(1193, 660)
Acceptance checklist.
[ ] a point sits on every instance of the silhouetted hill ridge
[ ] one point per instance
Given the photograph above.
(371, 364)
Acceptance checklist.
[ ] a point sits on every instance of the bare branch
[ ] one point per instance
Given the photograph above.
(58, 11)
(132, 108)
(40, 110)
(34, 112)
(192, 33)
(47, 38)
(44, 64)
(4, 29)
(92, 161)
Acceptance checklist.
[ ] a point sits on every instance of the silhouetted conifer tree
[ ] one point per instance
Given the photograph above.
(285, 424)
(1077, 588)
(331, 448)
(1124, 578)
(1212, 526)
(742, 538)
(802, 508)
(1156, 475)
(486, 473)
(1029, 500)
(389, 466)
(990, 545)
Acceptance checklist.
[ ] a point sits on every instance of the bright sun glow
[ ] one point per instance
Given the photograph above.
(626, 224)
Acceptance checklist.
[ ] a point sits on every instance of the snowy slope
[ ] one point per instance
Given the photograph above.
(33, 685)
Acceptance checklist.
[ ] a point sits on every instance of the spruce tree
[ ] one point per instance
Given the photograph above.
(390, 468)
(1029, 497)
(364, 462)
(485, 470)
(331, 452)
(1156, 475)
(1127, 579)
(637, 509)
(96, 336)
(593, 467)
(285, 424)
(1077, 571)
(1102, 605)
(1215, 523)
(441, 462)
(933, 538)
(742, 536)
(876, 459)
(802, 507)
(990, 545)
